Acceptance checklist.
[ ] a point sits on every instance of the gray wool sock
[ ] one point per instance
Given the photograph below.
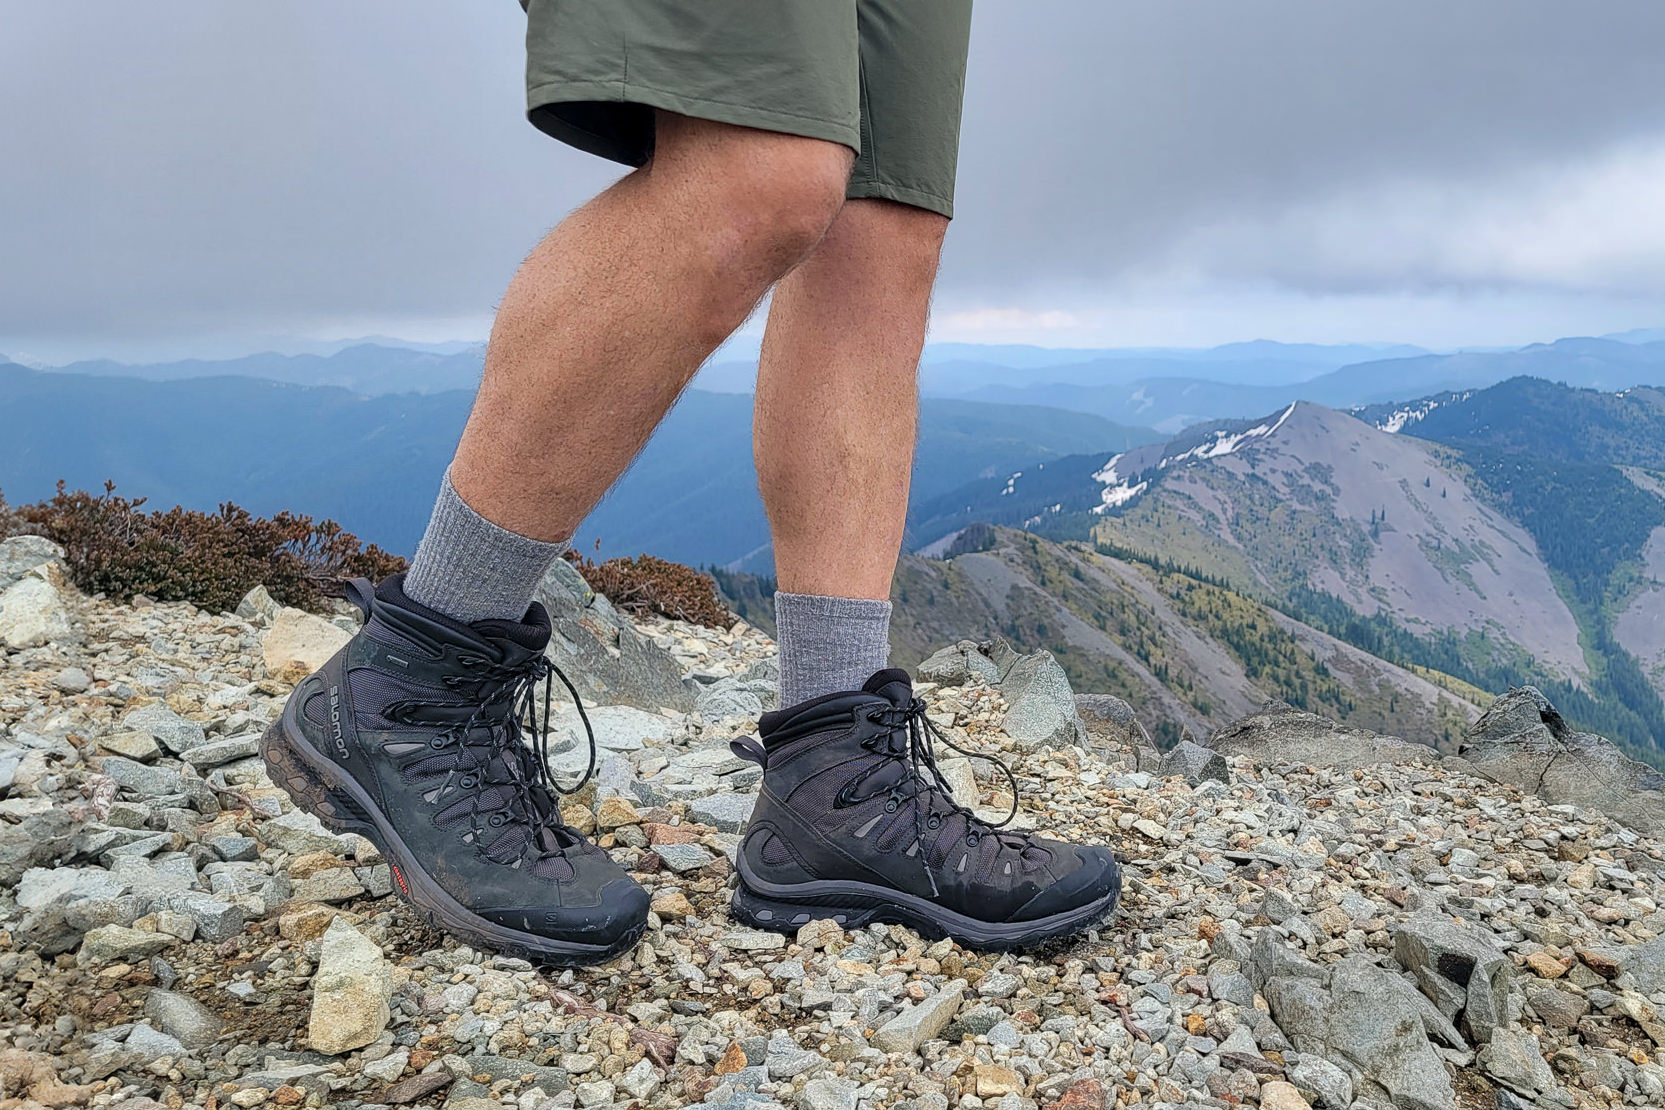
(829, 644)
(473, 570)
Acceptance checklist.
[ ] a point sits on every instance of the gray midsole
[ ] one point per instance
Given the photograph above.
(845, 888)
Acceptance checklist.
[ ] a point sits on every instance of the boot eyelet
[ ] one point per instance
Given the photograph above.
(497, 820)
(972, 839)
(892, 806)
(469, 781)
(933, 822)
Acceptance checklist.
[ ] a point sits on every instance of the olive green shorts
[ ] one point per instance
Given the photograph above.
(883, 77)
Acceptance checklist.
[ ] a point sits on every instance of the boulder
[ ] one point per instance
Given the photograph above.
(298, 643)
(259, 606)
(1280, 733)
(958, 665)
(601, 652)
(921, 1021)
(1461, 970)
(1040, 706)
(32, 614)
(1194, 763)
(1360, 1020)
(183, 1018)
(22, 554)
(1521, 739)
(350, 992)
(1110, 720)
(173, 732)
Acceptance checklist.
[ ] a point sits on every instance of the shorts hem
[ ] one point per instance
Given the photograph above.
(552, 93)
(901, 194)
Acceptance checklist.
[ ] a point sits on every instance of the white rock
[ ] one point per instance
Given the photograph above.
(32, 614)
(349, 993)
(300, 642)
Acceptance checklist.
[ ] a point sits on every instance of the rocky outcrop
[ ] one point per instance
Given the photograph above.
(1521, 739)
(602, 653)
(1280, 733)
(1040, 706)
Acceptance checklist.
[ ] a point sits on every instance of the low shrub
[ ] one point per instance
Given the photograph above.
(649, 584)
(211, 560)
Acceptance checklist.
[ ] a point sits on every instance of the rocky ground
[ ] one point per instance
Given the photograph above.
(1314, 917)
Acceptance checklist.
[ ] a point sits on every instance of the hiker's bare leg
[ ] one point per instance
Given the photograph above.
(838, 399)
(615, 310)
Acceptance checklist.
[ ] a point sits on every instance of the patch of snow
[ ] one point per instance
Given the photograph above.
(1397, 420)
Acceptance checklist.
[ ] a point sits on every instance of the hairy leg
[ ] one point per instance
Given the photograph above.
(838, 399)
(614, 311)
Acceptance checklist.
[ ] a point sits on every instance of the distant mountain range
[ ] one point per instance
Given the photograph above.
(374, 462)
(1499, 535)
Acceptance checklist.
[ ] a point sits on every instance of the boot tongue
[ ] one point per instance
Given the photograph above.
(892, 684)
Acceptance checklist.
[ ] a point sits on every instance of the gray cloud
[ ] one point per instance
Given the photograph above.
(188, 168)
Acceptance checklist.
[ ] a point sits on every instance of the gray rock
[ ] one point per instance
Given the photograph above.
(172, 731)
(38, 838)
(42, 886)
(1280, 733)
(641, 1081)
(298, 832)
(132, 744)
(109, 944)
(32, 614)
(1521, 739)
(235, 849)
(828, 1094)
(725, 811)
(1194, 763)
(1327, 1086)
(184, 1018)
(72, 680)
(1515, 1059)
(140, 778)
(728, 698)
(258, 606)
(785, 1059)
(1457, 962)
(1558, 1008)
(1362, 1020)
(602, 653)
(1111, 721)
(958, 665)
(148, 1043)
(1271, 958)
(921, 1021)
(21, 554)
(206, 756)
(332, 884)
(1040, 706)
(215, 919)
(683, 858)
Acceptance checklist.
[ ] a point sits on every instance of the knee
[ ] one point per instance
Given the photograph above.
(766, 203)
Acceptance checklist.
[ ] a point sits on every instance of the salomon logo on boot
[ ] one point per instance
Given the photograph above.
(425, 753)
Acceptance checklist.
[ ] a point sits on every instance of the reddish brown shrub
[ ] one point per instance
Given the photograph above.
(649, 584)
(208, 559)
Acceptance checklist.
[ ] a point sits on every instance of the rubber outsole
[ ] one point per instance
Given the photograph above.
(338, 811)
(856, 905)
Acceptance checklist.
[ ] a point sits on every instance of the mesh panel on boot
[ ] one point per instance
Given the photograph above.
(816, 796)
(373, 691)
(774, 850)
(317, 710)
(555, 869)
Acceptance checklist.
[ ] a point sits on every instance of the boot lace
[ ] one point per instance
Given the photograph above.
(499, 755)
(910, 736)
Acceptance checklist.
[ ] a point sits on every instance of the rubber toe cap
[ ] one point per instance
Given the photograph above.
(1095, 877)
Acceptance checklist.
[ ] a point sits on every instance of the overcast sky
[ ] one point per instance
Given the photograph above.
(196, 176)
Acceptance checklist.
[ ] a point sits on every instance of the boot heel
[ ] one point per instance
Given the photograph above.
(335, 811)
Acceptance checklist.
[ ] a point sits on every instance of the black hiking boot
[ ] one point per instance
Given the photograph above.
(411, 736)
(855, 823)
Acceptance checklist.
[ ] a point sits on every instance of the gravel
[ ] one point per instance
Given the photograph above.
(1385, 931)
